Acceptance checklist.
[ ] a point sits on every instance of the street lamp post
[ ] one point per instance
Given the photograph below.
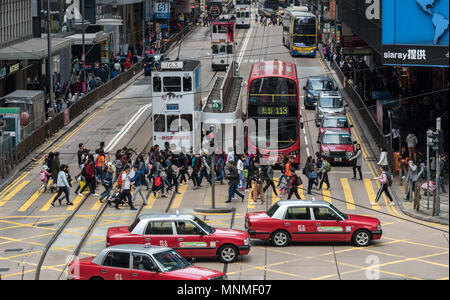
(50, 65)
(83, 56)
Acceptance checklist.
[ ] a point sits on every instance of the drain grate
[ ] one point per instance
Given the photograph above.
(14, 250)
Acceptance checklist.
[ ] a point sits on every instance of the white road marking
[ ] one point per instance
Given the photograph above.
(127, 127)
(244, 46)
(306, 140)
(307, 151)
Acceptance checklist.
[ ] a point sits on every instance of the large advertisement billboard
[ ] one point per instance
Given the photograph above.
(415, 32)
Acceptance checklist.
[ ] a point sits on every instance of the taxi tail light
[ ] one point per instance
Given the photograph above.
(107, 241)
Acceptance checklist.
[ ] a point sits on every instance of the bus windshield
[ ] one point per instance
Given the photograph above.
(305, 25)
(304, 41)
(273, 89)
(287, 135)
(242, 2)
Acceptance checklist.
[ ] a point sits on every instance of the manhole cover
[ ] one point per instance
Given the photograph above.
(45, 225)
(14, 250)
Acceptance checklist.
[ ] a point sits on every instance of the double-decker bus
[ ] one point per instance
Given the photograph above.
(243, 13)
(222, 41)
(301, 34)
(176, 97)
(273, 94)
(287, 20)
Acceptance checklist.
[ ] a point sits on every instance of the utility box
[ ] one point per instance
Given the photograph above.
(11, 117)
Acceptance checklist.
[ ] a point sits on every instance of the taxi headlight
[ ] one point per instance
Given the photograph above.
(247, 241)
(379, 227)
(349, 153)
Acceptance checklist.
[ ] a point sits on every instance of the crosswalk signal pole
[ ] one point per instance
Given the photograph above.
(438, 169)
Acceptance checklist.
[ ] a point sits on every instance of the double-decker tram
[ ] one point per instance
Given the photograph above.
(243, 13)
(222, 41)
(176, 96)
(301, 37)
(273, 94)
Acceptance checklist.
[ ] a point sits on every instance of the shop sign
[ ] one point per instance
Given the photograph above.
(14, 68)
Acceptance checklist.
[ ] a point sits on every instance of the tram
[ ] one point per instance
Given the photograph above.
(243, 13)
(222, 41)
(176, 98)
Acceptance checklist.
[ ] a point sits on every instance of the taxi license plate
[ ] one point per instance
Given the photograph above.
(338, 159)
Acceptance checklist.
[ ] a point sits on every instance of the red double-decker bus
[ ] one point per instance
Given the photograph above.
(273, 94)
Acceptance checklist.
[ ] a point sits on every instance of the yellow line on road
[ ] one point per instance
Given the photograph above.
(14, 192)
(371, 193)
(97, 204)
(47, 205)
(349, 201)
(326, 195)
(33, 198)
(75, 202)
(151, 201)
(179, 197)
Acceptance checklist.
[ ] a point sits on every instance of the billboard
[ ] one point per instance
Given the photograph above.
(415, 32)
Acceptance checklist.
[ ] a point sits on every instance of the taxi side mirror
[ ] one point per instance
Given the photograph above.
(154, 269)
(304, 87)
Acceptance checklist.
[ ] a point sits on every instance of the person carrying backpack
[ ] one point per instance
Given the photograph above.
(324, 169)
(295, 182)
(385, 180)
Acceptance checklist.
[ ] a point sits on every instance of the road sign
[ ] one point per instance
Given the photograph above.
(161, 10)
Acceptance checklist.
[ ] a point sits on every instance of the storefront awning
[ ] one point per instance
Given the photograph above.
(89, 38)
(33, 49)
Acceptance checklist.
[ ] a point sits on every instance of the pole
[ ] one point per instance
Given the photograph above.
(109, 56)
(213, 180)
(428, 175)
(400, 156)
(50, 65)
(83, 56)
(438, 172)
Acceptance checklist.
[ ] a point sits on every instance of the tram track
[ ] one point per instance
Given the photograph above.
(92, 224)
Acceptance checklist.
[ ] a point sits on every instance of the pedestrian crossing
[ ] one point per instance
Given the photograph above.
(345, 193)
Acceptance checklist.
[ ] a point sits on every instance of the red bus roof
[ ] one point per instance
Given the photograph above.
(274, 68)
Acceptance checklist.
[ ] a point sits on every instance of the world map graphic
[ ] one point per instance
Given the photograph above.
(440, 23)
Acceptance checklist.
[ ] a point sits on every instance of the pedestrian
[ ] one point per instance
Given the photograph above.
(63, 186)
(383, 162)
(325, 168)
(196, 166)
(80, 159)
(284, 161)
(269, 179)
(205, 170)
(100, 164)
(220, 168)
(107, 181)
(125, 188)
(308, 171)
(55, 166)
(258, 177)
(44, 175)
(356, 161)
(139, 177)
(411, 179)
(240, 169)
(411, 141)
(385, 180)
(294, 183)
(233, 178)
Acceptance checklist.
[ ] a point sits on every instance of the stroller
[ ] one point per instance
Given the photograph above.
(116, 197)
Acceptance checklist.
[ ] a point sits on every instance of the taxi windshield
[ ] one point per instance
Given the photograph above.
(204, 226)
(335, 123)
(337, 139)
(273, 209)
(171, 261)
(339, 212)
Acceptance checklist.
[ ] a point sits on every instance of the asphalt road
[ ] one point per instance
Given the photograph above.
(407, 250)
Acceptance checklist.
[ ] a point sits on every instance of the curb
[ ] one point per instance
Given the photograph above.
(394, 192)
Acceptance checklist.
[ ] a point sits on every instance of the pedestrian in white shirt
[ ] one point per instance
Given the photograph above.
(412, 141)
(383, 162)
(240, 168)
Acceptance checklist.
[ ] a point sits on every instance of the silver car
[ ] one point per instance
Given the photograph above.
(329, 103)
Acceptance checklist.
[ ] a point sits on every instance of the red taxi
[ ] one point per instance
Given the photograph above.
(339, 122)
(311, 221)
(138, 262)
(187, 234)
(336, 146)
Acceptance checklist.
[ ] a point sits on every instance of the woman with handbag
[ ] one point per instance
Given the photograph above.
(310, 174)
(357, 162)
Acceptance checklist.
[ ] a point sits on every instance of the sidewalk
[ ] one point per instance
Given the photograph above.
(398, 192)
